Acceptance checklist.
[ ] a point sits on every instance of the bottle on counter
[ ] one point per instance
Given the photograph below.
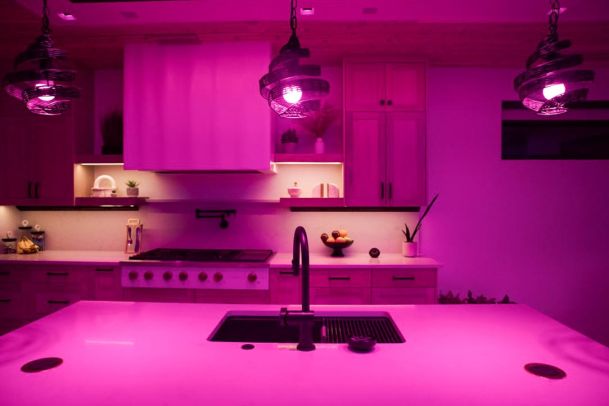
(38, 237)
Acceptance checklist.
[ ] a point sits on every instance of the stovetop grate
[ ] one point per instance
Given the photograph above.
(204, 255)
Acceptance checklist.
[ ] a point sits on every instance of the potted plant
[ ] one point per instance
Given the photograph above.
(132, 188)
(289, 139)
(409, 247)
(318, 123)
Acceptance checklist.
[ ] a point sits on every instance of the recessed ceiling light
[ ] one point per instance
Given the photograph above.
(67, 16)
(307, 11)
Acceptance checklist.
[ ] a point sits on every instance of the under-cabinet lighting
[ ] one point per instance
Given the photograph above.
(308, 163)
(101, 163)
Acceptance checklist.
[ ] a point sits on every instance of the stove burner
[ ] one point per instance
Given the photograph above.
(204, 255)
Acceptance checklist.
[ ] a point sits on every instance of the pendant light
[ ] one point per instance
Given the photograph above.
(40, 77)
(293, 90)
(551, 81)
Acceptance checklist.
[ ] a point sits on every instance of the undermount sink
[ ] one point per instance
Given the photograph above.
(328, 327)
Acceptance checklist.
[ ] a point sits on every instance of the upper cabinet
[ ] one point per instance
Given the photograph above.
(384, 86)
(385, 122)
(196, 107)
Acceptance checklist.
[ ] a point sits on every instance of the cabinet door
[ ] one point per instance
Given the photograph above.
(284, 287)
(364, 164)
(405, 86)
(406, 164)
(16, 175)
(364, 86)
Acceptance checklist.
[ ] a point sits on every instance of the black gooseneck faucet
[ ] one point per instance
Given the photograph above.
(304, 317)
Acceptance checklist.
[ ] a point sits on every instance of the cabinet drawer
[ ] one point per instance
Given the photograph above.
(62, 279)
(404, 278)
(323, 278)
(403, 295)
(284, 286)
(14, 305)
(49, 302)
(107, 283)
(232, 296)
(340, 295)
(11, 278)
(158, 295)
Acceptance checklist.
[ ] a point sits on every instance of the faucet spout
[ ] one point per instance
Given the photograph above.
(301, 248)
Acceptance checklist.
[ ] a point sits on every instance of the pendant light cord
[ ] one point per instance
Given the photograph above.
(293, 21)
(46, 29)
(553, 17)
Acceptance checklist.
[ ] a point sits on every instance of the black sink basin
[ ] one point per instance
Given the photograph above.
(327, 328)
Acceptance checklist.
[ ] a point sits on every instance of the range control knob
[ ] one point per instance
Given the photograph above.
(202, 276)
(252, 277)
(183, 276)
(167, 276)
(218, 277)
(148, 275)
(132, 275)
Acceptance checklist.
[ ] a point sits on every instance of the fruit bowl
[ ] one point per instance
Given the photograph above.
(337, 247)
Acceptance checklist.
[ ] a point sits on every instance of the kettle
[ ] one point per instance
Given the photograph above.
(133, 244)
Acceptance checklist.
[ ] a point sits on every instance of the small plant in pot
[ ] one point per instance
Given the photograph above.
(289, 139)
(132, 188)
(409, 246)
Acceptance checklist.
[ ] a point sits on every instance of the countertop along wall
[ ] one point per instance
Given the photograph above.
(536, 230)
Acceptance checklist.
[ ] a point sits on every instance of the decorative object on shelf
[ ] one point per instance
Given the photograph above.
(374, 252)
(133, 243)
(38, 237)
(103, 191)
(337, 240)
(132, 188)
(289, 140)
(451, 298)
(550, 82)
(112, 134)
(215, 214)
(325, 190)
(25, 229)
(40, 77)
(293, 90)
(9, 243)
(294, 191)
(318, 122)
(409, 247)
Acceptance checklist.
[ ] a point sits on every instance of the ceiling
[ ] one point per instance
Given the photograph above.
(446, 33)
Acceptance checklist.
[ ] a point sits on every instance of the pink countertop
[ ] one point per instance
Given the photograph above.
(125, 353)
(67, 257)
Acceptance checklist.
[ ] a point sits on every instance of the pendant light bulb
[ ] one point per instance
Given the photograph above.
(44, 87)
(292, 94)
(554, 90)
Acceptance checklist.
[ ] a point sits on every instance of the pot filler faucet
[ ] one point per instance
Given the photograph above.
(304, 317)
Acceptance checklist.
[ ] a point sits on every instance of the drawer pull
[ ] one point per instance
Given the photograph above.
(64, 302)
(58, 273)
(104, 269)
(339, 278)
(286, 272)
(403, 278)
(5, 300)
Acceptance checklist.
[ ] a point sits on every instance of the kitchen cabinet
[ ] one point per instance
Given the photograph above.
(384, 86)
(284, 286)
(385, 159)
(196, 107)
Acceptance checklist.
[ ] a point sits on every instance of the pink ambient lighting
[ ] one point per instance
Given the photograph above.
(554, 90)
(292, 94)
(66, 16)
(44, 86)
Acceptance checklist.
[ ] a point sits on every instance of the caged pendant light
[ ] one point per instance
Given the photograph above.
(551, 81)
(40, 77)
(293, 90)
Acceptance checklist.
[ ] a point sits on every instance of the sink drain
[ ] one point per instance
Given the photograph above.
(545, 370)
(41, 364)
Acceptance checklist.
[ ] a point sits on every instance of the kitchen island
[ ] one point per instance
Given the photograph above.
(127, 353)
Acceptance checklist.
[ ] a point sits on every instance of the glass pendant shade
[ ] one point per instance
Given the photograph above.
(292, 89)
(40, 77)
(552, 81)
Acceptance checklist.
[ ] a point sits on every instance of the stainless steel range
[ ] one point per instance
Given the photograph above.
(197, 269)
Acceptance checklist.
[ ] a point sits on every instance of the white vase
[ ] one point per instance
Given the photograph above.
(409, 249)
(320, 147)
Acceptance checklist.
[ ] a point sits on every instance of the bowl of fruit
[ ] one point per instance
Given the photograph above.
(337, 240)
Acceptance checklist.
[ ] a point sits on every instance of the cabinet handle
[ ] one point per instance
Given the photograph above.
(390, 190)
(339, 278)
(104, 269)
(390, 102)
(403, 278)
(58, 273)
(382, 102)
(5, 300)
(29, 190)
(286, 273)
(37, 190)
(66, 302)
(382, 190)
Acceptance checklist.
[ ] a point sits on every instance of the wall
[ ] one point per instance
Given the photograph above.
(536, 230)
(9, 216)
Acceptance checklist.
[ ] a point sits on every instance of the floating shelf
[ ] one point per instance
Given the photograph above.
(92, 159)
(312, 201)
(308, 158)
(109, 201)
